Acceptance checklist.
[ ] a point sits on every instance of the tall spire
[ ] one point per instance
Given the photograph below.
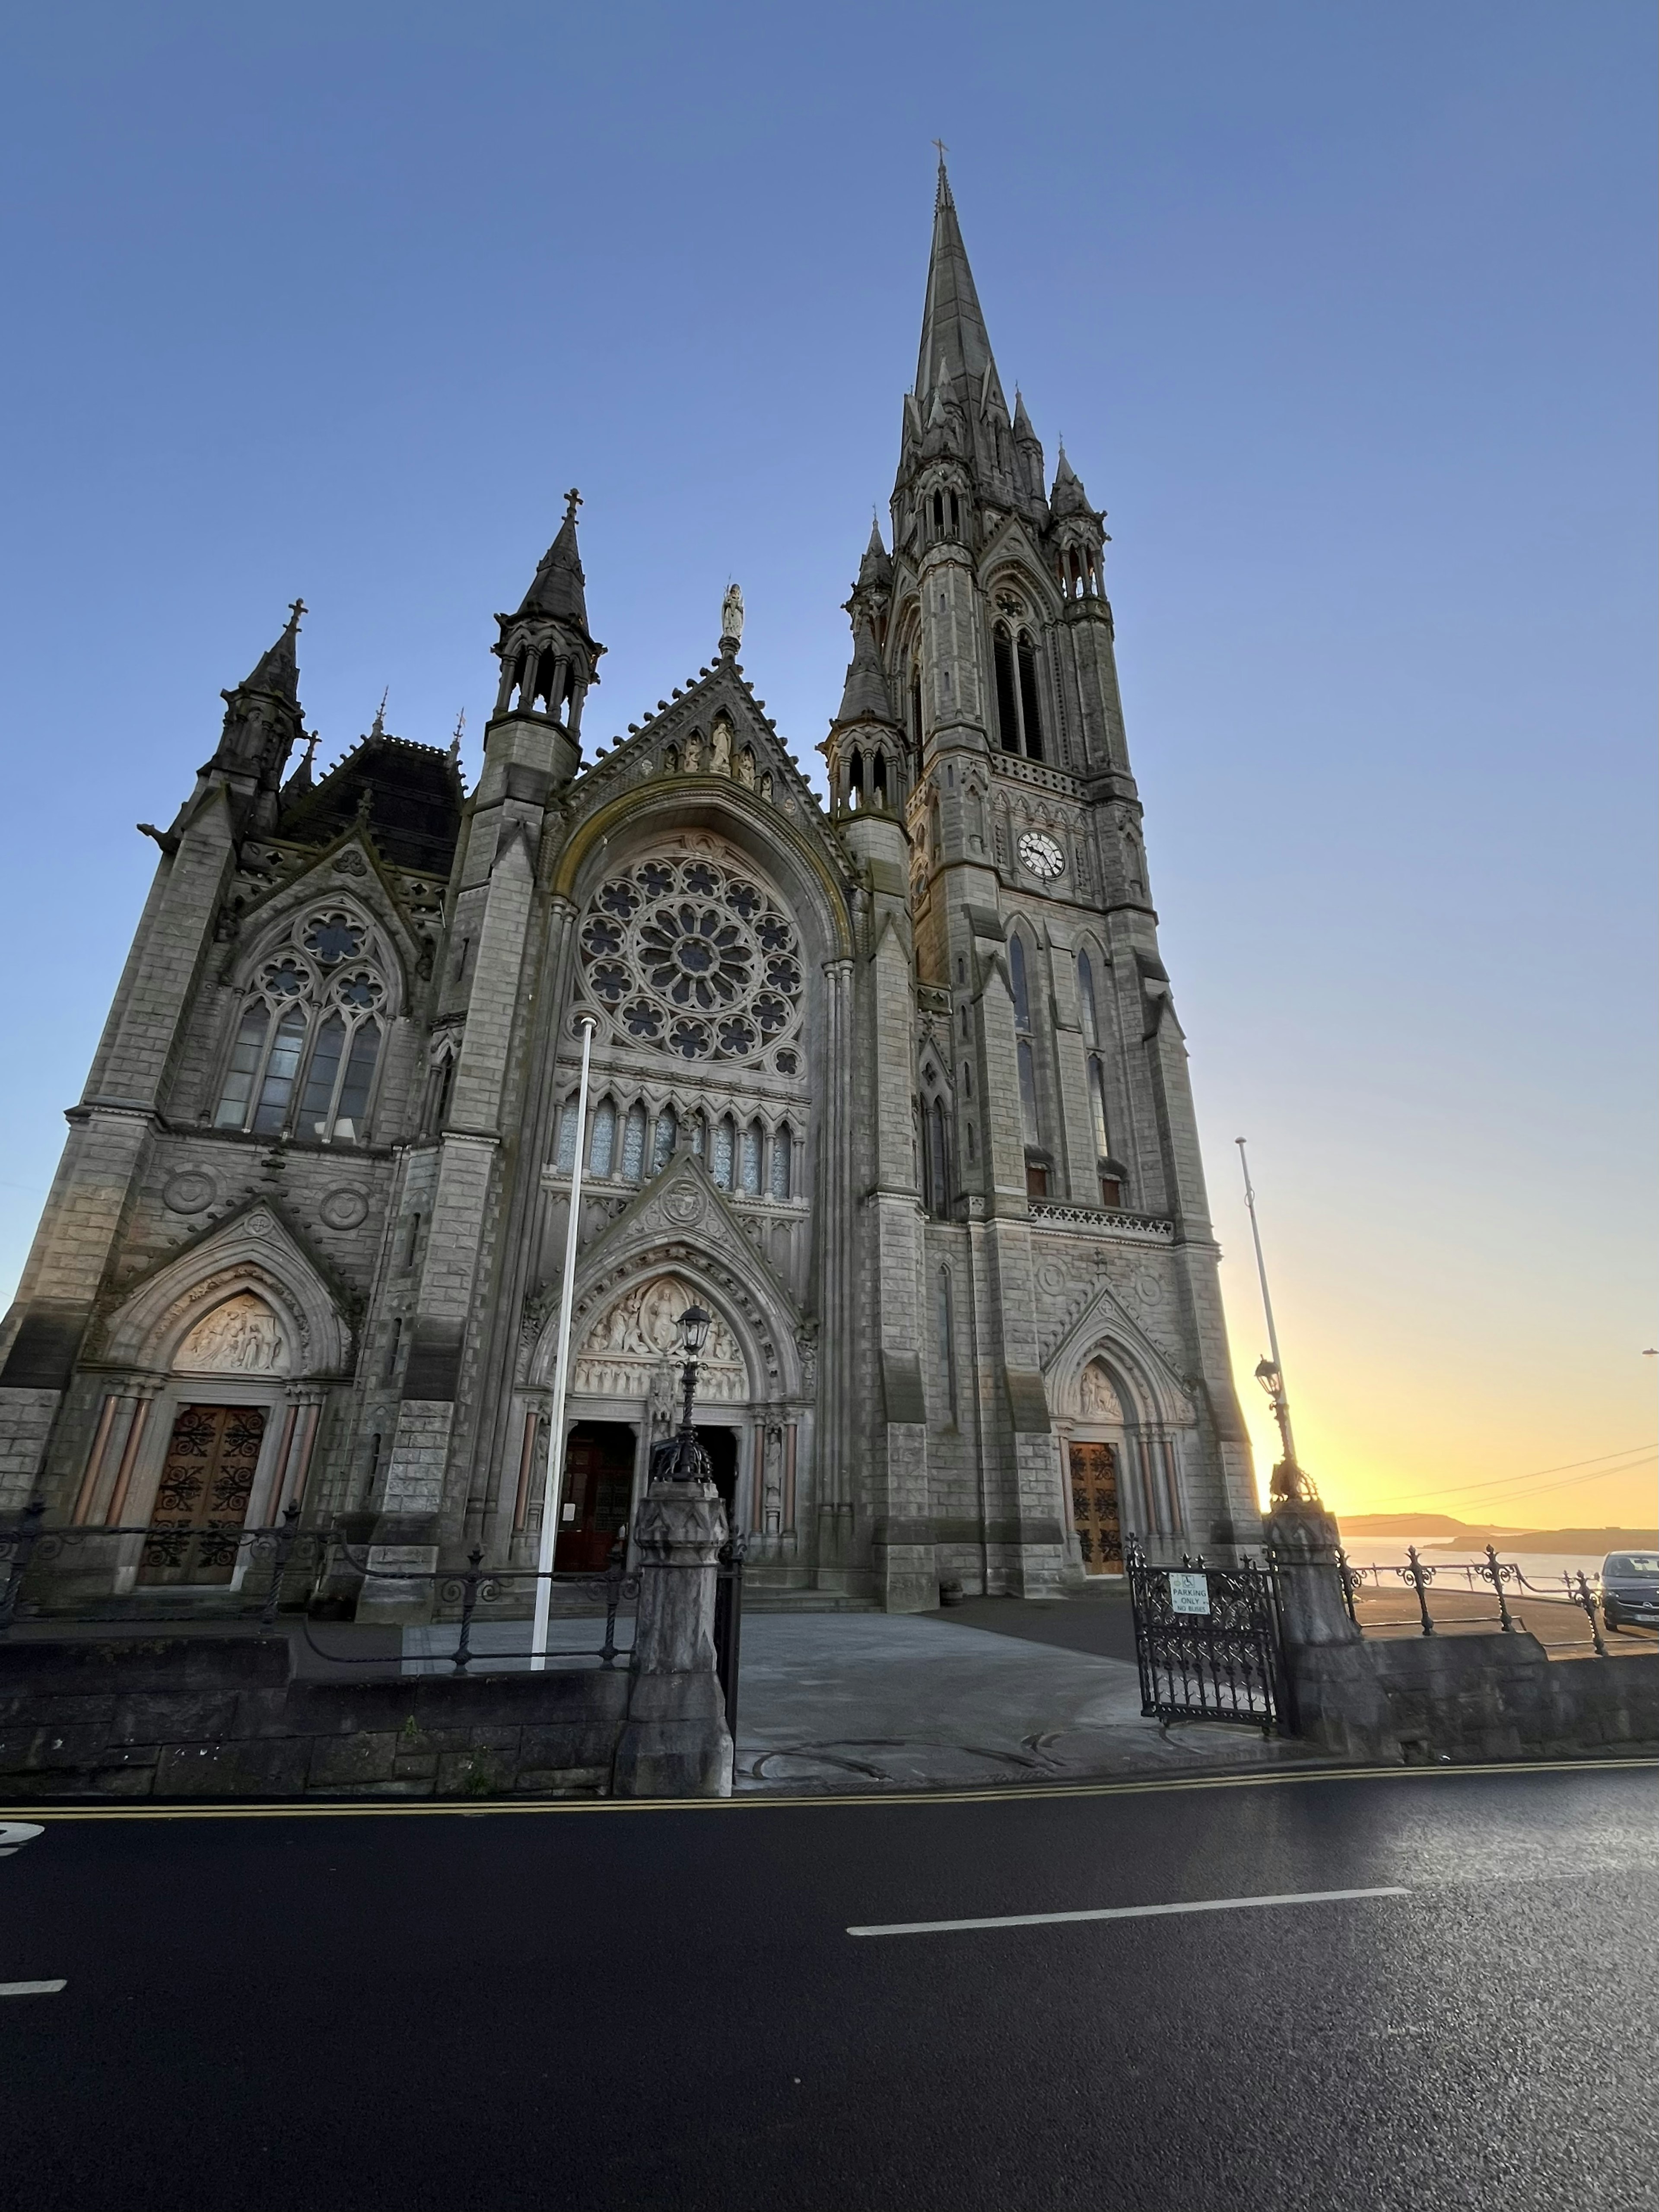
(955, 344)
(558, 587)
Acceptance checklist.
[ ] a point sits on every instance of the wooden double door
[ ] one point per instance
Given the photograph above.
(201, 1499)
(598, 1492)
(1095, 1512)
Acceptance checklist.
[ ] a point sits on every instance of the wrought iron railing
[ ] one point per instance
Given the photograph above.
(320, 1554)
(1501, 1577)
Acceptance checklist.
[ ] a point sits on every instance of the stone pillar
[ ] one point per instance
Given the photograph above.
(1304, 1541)
(675, 1743)
(1339, 1702)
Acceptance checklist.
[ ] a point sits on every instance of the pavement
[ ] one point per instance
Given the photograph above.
(1427, 1990)
(925, 1701)
(997, 1690)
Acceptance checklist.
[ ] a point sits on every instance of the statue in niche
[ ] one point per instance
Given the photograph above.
(662, 1397)
(771, 1483)
(242, 1336)
(746, 768)
(720, 762)
(1097, 1398)
(694, 753)
(766, 786)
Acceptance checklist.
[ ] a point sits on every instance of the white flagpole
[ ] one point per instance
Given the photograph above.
(554, 1484)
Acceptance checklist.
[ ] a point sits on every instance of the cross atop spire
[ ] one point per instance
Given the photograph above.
(557, 588)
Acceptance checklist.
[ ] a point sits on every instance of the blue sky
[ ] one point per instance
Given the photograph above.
(1346, 315)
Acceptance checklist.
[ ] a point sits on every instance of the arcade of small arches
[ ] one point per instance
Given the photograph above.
(542, 678)
(631, 1140)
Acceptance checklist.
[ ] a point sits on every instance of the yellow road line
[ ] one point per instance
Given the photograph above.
(1013, 1794)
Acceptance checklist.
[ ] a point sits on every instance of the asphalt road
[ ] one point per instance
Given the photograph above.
(600, 2007)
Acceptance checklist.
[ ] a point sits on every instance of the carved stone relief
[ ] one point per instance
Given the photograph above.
(624, 1351)
(242, 1336)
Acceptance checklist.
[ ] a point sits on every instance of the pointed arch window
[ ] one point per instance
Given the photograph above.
(668, 1136)
(936, 1160)
(1037, 1160)
(1086, 998)
(726, 1141)
(752, 1160)
(945, 1322)
(1007, 699)
(633, 1150)
(565, 1158)
(602, 1145)
(303, 1059)
(783, 1163)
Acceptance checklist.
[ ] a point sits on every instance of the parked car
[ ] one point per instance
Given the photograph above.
(1630, 1588)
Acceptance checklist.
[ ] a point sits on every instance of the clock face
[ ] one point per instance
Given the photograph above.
(1042, 855)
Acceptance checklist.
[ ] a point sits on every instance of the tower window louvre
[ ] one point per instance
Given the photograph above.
(1028, 698)
(1007, 706)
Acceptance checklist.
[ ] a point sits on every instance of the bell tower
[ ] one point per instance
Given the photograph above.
(1051, 1126)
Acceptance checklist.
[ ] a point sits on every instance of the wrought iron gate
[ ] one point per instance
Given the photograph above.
(1207, 1643)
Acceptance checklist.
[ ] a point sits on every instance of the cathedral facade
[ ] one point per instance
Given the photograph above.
(895, 1089)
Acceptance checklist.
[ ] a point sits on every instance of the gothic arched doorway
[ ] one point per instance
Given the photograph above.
(598, 1494)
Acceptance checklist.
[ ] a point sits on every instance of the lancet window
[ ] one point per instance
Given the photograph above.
(306, 1048)
(1037, 1162)
(1110, 1173)
(1019, 707)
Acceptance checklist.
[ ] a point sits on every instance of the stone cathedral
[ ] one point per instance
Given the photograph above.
(896, 1090)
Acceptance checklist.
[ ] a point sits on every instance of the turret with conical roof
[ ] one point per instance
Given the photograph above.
(261, 722)
(549, 656)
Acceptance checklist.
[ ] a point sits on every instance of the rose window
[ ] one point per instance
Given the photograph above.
(693, 958)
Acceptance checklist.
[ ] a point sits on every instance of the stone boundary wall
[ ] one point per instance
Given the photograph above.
(1481, 1697)
(183, 1717)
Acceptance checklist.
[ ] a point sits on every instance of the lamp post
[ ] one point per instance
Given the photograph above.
(1288, 1480)
(694, 1324)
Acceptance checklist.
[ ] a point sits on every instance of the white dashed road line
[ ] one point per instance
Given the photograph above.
(32, 1989)
(1123, 1912)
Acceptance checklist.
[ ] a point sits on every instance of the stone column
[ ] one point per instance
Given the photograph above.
(1304, 1540)
(1339, 1700)
(675, 1743)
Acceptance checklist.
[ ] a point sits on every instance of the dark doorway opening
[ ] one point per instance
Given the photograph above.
(721, 1446)
(599, 1490)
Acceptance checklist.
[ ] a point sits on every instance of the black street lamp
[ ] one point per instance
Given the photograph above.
(694, 1332)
